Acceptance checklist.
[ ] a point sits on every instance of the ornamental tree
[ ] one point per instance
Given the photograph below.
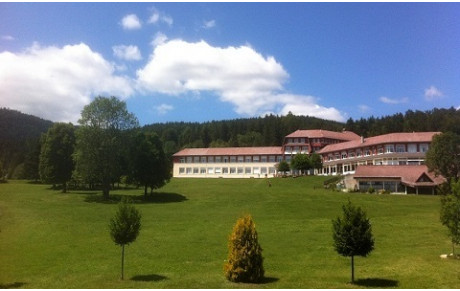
(450, 213)
(352, 234)
(124, 227)
(245, 261)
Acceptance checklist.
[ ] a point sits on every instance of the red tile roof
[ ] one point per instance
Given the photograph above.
(319, 133)
(399, 137)
(409, 174)
(234, 151)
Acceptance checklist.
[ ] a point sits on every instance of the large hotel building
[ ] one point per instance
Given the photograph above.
(341, 152)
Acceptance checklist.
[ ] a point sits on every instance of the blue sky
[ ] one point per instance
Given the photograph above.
(212, 61)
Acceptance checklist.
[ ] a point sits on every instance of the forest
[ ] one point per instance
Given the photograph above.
(20, 133)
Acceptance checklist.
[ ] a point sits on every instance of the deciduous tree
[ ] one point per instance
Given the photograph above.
(352, 234)
(102, 140)
(56, 163)
(443, 156)
(125, 227)
(450, 213)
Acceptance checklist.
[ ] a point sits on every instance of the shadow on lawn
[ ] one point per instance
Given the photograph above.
(148, 278)
(376, 283)
(157, 197)
(15, 285)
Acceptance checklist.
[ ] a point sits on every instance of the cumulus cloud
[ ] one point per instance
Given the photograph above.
(209, 24)
(160, 38)
(163, 109)
(433, 93)
(158, 16)
(130, 22)
(56, 82)
(127, 52)
(7, 37)
(387, 100)
(252, 83)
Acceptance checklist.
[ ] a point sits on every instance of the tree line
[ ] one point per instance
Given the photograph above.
(20, 133)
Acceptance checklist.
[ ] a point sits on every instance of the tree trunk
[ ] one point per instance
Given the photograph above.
(105, 190)
(64, 187)
(122, 261)
(352, 270)
(145, 191)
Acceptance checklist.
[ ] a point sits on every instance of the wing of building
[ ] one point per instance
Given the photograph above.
(341, 152)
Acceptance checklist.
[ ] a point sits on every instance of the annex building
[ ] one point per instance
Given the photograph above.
(344, 153)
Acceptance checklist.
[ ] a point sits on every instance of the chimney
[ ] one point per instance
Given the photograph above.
(362, 139)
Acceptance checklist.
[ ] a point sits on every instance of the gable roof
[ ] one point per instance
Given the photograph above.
(319, 133)
(410, 175)
(229, 151)
(398, 137)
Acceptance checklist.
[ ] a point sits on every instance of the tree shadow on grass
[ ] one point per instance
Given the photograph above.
(376, 283)
(15, 285)
(155, 198)
(268, 280)
(148, 278)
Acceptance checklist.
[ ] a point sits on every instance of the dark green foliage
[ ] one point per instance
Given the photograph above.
(125, 227)
(352, 234)
(57, 146)
(283, 166)
(315, 161)
(300, 162)
(149, 165)
(102, 141)
(450, 213)
(245, 261)
(443, 156)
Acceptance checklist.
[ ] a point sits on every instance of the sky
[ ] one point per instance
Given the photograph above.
(197, 62)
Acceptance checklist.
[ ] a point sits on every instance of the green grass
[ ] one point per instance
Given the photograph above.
(54, 240)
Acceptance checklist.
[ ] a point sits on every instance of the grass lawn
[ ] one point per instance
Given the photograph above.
(54, 240)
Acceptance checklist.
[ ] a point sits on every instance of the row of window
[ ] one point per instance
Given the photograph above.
(231, 159)
(226, 170)
(399, 148)
(352, 167)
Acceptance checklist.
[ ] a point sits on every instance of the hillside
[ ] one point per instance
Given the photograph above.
(19, 136)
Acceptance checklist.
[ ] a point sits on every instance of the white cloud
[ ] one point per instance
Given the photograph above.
(55, 83)
(158, 17)
(159, 38)
(237, 75)
(433, 93)
(7, 37)
(130, 22)
(209, 24)
(364, 108)
(163, 109)
(387, 100)
(127, 52)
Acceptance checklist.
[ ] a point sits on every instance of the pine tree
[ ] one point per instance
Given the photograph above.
(245, 261)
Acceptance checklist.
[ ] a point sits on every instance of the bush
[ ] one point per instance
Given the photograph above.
(370, 190)
(245, 261)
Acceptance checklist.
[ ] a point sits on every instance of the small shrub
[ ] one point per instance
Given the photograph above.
(245, 261)
(371, 190)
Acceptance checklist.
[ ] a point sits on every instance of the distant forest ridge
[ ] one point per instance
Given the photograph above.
(20, 133)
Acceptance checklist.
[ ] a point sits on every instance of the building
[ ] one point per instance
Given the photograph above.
(398, 179)
(373, 159)
(388, 149)
(252, 162)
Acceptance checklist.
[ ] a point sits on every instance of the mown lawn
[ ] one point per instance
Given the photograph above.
(54, 240)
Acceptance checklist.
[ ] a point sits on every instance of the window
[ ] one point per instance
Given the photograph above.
(367, 152)
(279, 158)
(264, 159)
(389, 148)
(218, 159)
(424, 147)
(256, 170)
(248, 159)
(196, 159)
(232, 170)
(271, 159)
(358, 153)
(344, 155)
(189, 160)
(203, 160)
(263, 170)
(225, 159)
(225, 170)
(218, 170)
(240, 170)
(400, 148)
(247, 170)
(211, 159)
(271, 170)
(195, 170)
(240, 159)
(182, 160)
(232, 159)
(188, 170)
(412, 148)
(255, 159)
(181, 170)
(210, 170)
(202, 170)
(379, 150)
(351, 154)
